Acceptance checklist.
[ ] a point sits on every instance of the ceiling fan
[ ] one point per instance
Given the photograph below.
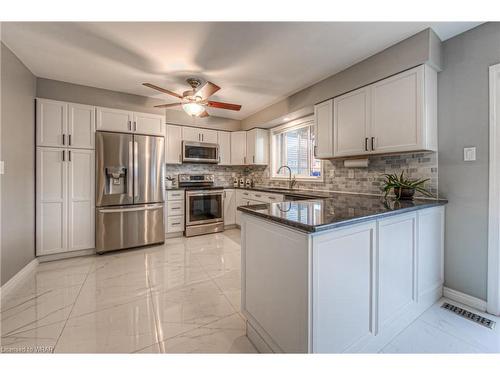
(195, 101)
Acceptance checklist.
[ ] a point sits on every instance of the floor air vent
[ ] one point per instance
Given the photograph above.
(469, 315)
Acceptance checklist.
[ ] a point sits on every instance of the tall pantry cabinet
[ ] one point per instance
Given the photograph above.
(65, 163)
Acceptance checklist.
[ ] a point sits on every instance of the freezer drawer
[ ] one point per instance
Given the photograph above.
(124, 227)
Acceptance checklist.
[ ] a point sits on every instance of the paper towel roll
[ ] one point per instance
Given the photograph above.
(356, 163)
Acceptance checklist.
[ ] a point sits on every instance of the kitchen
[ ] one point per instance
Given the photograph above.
(253, 227)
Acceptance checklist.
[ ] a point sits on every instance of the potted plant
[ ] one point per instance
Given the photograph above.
(404, 188)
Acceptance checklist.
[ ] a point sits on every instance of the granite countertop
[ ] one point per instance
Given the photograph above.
(339, 209)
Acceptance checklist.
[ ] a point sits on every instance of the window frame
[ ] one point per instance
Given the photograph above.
(290, 126)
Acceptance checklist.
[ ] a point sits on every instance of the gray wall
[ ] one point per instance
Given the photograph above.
(420, 48)
(18, 152)
(65, 91)
(463, 121)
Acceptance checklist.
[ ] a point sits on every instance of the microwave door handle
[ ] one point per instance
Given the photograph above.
(130, 181)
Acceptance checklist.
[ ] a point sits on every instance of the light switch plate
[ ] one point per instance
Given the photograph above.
(350, 173)
(2, 167)
(469, 154)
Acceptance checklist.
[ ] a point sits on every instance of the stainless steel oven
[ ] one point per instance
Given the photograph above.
(204, 212)
(199, 152)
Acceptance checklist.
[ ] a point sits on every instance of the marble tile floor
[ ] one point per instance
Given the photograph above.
(181, 297)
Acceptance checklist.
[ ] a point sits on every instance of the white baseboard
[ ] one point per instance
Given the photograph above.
(471, 301)
(18, 277)
(71, 254)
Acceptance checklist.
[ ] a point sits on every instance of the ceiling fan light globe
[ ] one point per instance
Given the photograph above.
(193, 109)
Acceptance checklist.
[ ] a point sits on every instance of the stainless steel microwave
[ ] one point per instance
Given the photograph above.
(199, 152)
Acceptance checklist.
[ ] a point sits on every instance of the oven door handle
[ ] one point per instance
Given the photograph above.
(204, 194)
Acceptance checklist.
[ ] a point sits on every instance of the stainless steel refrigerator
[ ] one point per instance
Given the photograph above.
(129, 191)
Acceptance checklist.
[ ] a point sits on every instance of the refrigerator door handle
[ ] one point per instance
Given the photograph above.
(132, 209)
(130, 181)
(136, 170)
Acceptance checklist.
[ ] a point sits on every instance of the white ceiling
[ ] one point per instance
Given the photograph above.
(255, 63)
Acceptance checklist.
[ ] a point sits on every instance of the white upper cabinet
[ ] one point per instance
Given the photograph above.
(397, 114)
(61, 124)
(199, 135)
(224, 141)
(148, 123)
(351, 123)
(238, 147)
(323, 113)
(257, 147)
(114, 120)
(173, 144)
(51, 123)
(118, 120)
(81, 126)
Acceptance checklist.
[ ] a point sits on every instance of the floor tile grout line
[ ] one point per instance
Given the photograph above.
(74, 303)
(155, 315)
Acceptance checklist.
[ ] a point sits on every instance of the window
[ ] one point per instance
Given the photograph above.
(293, 145)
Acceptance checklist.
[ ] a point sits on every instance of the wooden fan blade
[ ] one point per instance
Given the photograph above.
(207, 90)
(168, 105)
(165, 91)
(232, 107)
(204, 114)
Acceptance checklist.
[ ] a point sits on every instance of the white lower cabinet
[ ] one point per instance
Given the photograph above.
(229, 207)
(64, 200)
(369, 281)
(174, 212)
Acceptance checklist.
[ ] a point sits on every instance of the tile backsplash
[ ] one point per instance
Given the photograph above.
(336, 177)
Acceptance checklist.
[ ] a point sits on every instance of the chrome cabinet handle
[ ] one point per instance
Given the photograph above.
(69, 155)
(135, 126)
(373, 142)
(366, 144)
(63, 155)
(129, 125)
(69, 139)
(64, 139)
(315, 150)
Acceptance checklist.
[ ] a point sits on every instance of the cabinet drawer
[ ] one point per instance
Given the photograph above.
(175, 195)
(175, 224)
(175, 208)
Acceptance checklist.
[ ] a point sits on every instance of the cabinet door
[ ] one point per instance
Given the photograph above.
(173, 145)
(224, 141)
(114, 120)
(150, 124)
(257, 147)
(208, 136)
(396, 112)
(81, 126)
(343, 261)
(51, 203)
(351, 121)
(229, 207)
(51, 123)
(81, 204)
(396, 259)
(191, 134)
(238, 148)
(323, 125)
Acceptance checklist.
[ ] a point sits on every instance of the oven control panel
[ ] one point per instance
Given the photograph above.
(196, 178)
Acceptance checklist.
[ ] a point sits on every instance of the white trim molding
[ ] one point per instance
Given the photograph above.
(465, 299)
(493, 289)
(18, 277)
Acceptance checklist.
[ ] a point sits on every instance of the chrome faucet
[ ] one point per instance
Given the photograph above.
(291, 181)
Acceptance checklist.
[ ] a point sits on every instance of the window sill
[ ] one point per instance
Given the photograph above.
(304, 179)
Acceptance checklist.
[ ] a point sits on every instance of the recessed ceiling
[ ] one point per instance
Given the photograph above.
(255, 63)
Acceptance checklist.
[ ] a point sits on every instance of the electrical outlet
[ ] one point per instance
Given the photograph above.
(469, 154)
(332, 173)
(350, 173)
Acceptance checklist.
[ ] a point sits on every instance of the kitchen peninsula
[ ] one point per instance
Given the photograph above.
(340, 274)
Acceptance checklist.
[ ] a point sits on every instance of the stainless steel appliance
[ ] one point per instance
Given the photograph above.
(129, 190)
(204, 204)
(199, 152)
